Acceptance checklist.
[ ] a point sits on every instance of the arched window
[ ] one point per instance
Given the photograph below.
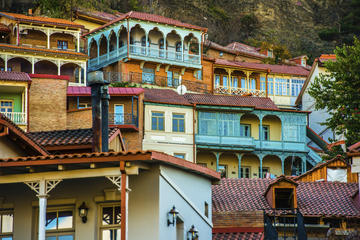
(161, 43)
(143, 41)
(178, 47)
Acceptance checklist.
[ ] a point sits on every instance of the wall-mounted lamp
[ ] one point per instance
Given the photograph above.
(172, 216)
(83, 212)
(193, 233)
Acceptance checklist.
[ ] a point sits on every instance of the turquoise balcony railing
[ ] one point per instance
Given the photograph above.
(225, 142)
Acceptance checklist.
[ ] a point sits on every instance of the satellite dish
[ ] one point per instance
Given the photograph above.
(181, 89)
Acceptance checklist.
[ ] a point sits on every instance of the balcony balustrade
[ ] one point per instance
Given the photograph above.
(123, 119)
(147, 54)
(152, 79)
(239, 91)
(17, 117)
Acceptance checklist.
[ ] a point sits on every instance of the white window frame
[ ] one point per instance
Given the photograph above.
(102, 227)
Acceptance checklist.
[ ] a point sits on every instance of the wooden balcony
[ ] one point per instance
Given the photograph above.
(239, 91)
(18, 118)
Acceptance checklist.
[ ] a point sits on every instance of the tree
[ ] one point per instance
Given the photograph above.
(339, 92)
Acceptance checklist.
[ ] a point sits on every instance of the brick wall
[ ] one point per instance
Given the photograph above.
(79, 118)
(238, 219)
(47, 104)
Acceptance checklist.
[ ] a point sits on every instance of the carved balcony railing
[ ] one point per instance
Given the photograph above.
(17, 117)
(152, 79)
(239, 91)
(123, 119)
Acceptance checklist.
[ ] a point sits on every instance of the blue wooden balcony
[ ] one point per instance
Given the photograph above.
(225, 142)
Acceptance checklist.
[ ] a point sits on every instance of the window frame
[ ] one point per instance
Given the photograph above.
(7, 234)
(100, 226)
(245, 125)
(6, 107)
(263, 132)
(180, 154)
(178, 120)
(267, 171)
(62, 231)
(225, 170)
(62, 44)
(242, 171)
(157, 121)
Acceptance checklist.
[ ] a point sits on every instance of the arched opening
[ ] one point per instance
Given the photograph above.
(228, 165)
(46, 67)
(112, 43)
(206, 159)
(34, 38)
(2, 64)
(249, 125)
(271, 128)
(103, 45)
(271, 165)
(250, 164)
(62, 41)
(73, 71)
(136, 33)
(93, 49)
(191, 44)
(154, 36)
(172, 39)
(122, 37)
(18, 64)
(293, 166)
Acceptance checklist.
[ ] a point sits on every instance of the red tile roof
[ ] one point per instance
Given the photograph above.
(233, 50)
(166, 96)
(113, 91)
(14, 76)
(241, 47)
(43, 50)
(355, 147)
(224, 100)
(313, 198)
(66, 137)
(41, 20)
(4, 28)
(327, 57)
(81, 158)
(281, 69)
(151, 18)
(238, 236)
(20, 134)
(103, 16)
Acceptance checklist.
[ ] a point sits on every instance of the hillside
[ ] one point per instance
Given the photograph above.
(293, 23)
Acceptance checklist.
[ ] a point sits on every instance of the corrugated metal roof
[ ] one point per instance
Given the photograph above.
(14, 76)
(114, 91)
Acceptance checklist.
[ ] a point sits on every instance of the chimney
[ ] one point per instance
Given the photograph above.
(100, 107)
(30, 12)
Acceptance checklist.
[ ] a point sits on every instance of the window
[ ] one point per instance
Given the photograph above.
(296, 85)
(121, 43)
(179, 155)
(252, 84)
(234, 82)
(303, 62)
(62, 44)
(282, 86)
(6, 225)
(217, 80)
(178, 122)
(262, 83)
(118, 114)
(208, 123)
(110, 222)
(6, 106)
(9, 69)
(84, 105)
(143, 45)
(245, 172)
(223, 171)
(221, 54)
(270, 53)
(229, 124)
(173, 79)
(284, 198)
(157, 121)
(245, 130)
(206, 209)
(198, 75)
(148, 75)
(178, 47)
(265, 170)
(225, 81)
(270, 86)
(265, 133)
(59, 225)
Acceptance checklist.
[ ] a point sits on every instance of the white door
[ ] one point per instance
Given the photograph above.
(118, 114)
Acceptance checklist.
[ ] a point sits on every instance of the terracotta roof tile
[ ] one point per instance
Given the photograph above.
(38, 19)
(241, 47)
(224, 100)
(66, 137)
(313, 198)
(327, 57)
(281, 69)
(113, 91)
(151, 18)
(43, 50)
(233, 50)
(14, 76)
(166, 96)
(104, 16)
(355, 147)
(238, 236)
(4, 28)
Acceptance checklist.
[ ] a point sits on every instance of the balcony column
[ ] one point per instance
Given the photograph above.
(165, 47)
(78, 41)
(230, 84)
(26, 104)
(59, 67)
(260, 156)
(247, 82)
(199, 52)
(303, 160)
(117, 44)
(108, 48)
(32, 65)
(146, 43)
(217, 155)
(282, 159)
(239, 156)
(98, 52)
(261, 137)
(6, 62)
(85, 73)
(48, 38)
(182, 49)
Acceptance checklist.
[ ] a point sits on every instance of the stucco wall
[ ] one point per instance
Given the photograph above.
(168, 141)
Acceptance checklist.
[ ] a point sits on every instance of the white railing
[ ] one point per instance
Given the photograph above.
(239, 91)
(16, 117)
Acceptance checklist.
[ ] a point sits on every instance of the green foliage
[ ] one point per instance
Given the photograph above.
(134, 5)
(248, 24)
(338, 92)
(218, 13)
(329, 34)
